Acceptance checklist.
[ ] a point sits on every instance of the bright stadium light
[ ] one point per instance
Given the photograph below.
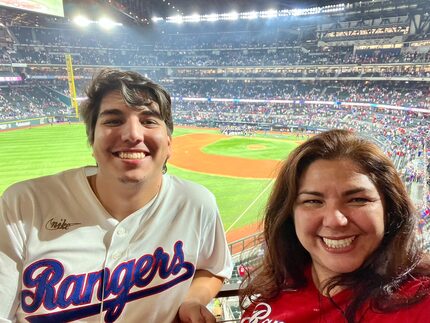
(194, 18)
(175, 19)
(212, 17)
(81, 21)
(156, 19)
(230, 16)
(249, 15)
(271, 13)
(107, 23)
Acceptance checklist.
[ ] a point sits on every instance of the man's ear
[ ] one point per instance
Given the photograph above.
(169, 146)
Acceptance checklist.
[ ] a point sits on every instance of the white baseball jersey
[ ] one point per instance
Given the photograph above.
(64, 258)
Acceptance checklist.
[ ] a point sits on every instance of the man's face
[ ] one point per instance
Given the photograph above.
(130, 146)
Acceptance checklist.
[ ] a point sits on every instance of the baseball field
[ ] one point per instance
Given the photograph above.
(238, 170)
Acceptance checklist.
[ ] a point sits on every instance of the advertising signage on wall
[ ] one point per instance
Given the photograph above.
(49, 7)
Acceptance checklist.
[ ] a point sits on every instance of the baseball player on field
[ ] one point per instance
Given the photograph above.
(120, 242)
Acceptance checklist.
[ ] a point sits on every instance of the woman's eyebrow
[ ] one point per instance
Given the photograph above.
(355, 190)
(311, 193)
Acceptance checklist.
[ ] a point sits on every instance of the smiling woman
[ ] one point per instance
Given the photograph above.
(340, 232)
(338, 216)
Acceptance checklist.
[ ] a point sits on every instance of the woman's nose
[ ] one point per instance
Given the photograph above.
(334, 217)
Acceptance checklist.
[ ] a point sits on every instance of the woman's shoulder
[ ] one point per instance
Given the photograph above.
(411, 303)
(415, 286)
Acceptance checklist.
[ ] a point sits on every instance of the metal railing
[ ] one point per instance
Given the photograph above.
(245, 243)
(240, 249)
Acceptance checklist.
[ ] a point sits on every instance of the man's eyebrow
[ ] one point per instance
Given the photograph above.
(150, 112)
(118, 112)
(111, 112)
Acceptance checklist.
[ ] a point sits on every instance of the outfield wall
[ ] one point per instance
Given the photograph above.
(16, 124)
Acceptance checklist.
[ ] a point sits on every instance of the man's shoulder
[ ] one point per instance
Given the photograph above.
(41, 183)
(186, 187)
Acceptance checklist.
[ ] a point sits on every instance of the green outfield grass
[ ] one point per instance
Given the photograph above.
(34, 152)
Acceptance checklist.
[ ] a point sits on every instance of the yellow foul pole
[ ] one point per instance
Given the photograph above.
(71, 80)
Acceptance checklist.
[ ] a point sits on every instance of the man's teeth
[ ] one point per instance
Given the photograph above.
(337, 244)
(131, 155)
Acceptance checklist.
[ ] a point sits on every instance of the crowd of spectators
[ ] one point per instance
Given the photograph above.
(29, 101)
(263, 65)
(48, 46)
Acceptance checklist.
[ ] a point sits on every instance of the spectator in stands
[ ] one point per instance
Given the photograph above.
(120, 241)
(341, 240)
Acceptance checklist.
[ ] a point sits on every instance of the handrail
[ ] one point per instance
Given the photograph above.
(245, 243)
(229, 290)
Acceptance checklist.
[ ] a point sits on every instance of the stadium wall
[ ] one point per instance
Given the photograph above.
(16, 124)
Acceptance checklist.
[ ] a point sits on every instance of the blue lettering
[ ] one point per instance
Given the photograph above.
(92, 280)
(119, 287)
(49, 288)
(144, 265)
(69, 291)
(44, 283)
(178, 258)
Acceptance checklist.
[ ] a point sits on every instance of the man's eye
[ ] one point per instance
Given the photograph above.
(149, 122)
(112, 122)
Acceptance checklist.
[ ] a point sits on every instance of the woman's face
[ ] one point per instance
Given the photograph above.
(338, 217)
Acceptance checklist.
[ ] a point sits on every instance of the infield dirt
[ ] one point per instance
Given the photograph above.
(187, 154)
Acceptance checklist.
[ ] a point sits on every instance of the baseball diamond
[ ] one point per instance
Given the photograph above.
(224, 164)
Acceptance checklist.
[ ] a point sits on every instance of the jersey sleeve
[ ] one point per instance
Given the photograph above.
(214, 255)
(11, 255)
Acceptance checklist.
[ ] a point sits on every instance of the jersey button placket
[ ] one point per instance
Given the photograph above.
(119, 244)
(121, 232)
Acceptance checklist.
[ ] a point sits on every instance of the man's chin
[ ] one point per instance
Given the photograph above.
(131, 180)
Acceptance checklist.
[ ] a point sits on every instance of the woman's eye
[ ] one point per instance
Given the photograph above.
(359, 200)
(310, 202)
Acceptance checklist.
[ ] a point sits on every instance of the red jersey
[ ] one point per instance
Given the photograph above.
(308, 305)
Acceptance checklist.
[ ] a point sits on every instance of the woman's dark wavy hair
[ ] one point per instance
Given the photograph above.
(135, 89)
(396, 260)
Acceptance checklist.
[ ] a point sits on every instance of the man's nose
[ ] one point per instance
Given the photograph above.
(132, 131)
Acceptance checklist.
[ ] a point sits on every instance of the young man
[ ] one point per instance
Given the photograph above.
(122, 241)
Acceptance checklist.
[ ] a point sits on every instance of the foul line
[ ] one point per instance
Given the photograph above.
(249, 206)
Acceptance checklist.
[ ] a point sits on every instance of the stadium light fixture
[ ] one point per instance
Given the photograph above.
(212, 17)
(175, 19)
(107, 23)
(231, 16)
(156, 19)
(271, 13)
(104, 22)
(194, 18)
(81, 21)
(249, 15)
